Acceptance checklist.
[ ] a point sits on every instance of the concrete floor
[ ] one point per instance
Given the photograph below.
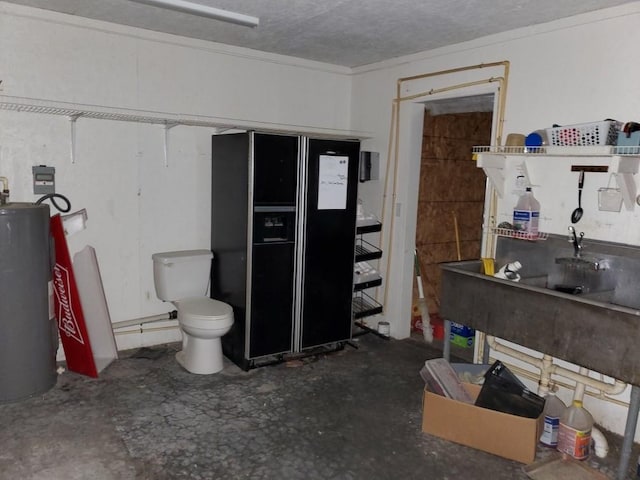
(353, 414)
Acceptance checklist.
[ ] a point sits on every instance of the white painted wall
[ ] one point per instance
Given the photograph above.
(568, 71)
(136, 205)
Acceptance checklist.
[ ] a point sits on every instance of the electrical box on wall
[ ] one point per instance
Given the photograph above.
(43, 179)
(369, 166)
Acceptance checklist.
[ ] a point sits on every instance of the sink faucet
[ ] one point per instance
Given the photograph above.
(577, 243)
(578, 261)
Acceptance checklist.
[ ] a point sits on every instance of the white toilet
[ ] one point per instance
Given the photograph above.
(182, 279)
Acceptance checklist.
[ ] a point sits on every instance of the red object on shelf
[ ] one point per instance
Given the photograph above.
(71, 324)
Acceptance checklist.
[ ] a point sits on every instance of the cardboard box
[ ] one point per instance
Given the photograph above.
(462, 335)
(460, 341)
(505, 435)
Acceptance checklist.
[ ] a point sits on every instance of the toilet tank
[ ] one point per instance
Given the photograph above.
(181, 274)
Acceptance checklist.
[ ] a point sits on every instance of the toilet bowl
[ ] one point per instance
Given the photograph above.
(202, 321)
(182, 278)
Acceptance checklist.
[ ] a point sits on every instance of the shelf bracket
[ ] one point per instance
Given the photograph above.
(72, 146)
(624, 169)
(167, 126)
(493, 166)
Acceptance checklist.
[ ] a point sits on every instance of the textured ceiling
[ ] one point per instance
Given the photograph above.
(341, 32)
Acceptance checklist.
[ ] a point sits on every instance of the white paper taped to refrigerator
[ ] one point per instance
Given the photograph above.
(332, 182)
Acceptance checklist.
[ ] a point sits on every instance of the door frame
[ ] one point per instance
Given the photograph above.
(405, 205)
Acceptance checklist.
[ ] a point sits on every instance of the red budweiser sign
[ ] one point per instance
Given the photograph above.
(71, 325)
(66, 316)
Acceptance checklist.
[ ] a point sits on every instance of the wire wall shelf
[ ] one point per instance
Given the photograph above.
(565, 151)
(74, 111)
(508, 232)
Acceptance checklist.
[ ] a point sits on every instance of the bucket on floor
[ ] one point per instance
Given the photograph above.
(384, 328)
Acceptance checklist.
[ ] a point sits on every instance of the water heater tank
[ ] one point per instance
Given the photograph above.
(28, 334)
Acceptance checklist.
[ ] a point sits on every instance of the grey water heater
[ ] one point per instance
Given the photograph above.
(28, 334)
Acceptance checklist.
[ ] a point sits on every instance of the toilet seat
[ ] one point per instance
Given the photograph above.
(204, 312)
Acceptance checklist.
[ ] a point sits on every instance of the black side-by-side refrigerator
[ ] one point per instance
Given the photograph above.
(282, 234)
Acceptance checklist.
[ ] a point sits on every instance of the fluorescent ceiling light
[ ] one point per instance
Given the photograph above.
(204, 11)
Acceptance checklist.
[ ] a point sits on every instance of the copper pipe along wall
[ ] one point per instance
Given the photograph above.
(394, 132)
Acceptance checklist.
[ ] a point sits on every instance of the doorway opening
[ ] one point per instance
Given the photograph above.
(451, 199)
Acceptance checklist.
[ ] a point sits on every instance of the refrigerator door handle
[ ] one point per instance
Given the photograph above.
(300, 244)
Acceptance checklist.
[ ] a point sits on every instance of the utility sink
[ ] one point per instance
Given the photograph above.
(598, 328)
